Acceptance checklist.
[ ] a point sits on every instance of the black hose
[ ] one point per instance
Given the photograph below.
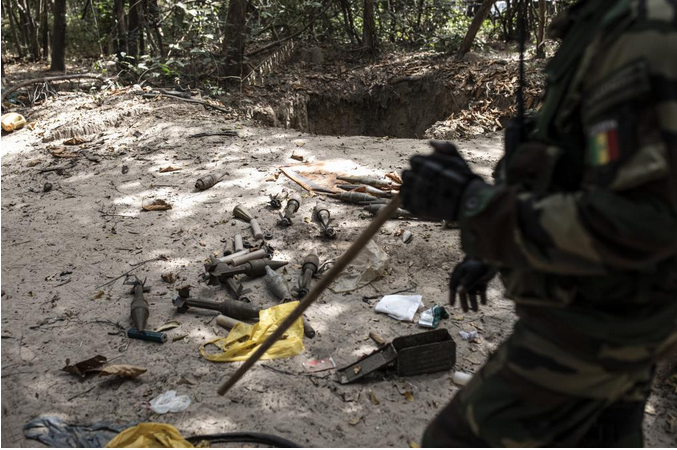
(245, 436)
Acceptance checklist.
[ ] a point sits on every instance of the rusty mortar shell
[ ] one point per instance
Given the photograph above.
(277, 285)
(293, 205)
(353, 197)
(242, 213)
(139, 308)
(367, 189)
(214, 262)
(310, 265)
(256, 229)
(399, 214)
(204, 183)
(256, 254)
(371, 181)
(323, 216)
(308, 330)
(251, 269)
(152, 336)
(238, 243)
(231, 308)
(226, 322)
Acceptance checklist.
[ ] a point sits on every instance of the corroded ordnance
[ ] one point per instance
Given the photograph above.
(376, 182)
(353, 197)
(366, 189)
(208, 181)
(323, 216)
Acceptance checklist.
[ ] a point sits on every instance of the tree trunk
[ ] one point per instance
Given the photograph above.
(44, 28)
(153, 18)
(419, 14)
(540, 42)
(235, 35)
(369, 39)
(13, 26)
(59, 37)
(133, 32)
(474, 27)
(29, 29)
(121, 42)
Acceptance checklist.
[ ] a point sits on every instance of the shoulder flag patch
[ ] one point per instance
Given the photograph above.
(603, 143)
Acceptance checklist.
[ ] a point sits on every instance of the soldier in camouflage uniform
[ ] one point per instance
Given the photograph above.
(582, 225)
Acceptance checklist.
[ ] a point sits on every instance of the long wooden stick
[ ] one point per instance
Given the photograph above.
(315, 292)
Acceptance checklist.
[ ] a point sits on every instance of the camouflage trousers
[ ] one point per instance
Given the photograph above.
(519, 399)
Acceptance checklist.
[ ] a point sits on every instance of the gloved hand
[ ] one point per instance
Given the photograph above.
(434, 186)
(470, 277)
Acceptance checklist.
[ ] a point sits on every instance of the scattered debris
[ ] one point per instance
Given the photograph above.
(368, 266)
(407, 237)
(377, 338)
(122, 371)
(461, 378)
(372, 397)
(168, 277)
(169, 169)
(168, 326)
(90, 365)
(54, 432)
(430, 318)
(355, 420)
(400, 307)
(468, 335)
(125, 169)
(74, 141)
(156, 205)
(47, 187)
(12, 121)
(319, 365)
(169, 402)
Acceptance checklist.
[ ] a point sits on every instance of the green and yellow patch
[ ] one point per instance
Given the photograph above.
(603, 143)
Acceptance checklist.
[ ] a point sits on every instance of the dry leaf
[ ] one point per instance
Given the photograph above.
(179, 337)
(157, 205)
(373, 398)
(74, 141)
(168, 277)
(355, 420)
(98, 295)
(33, 162)
(168, 326)
(82, 368)
(60, 152)
(649, 409)
(122, 371)
(297, 157)
(413, 444)
(31, 126)
(409, 396)
(169, 169)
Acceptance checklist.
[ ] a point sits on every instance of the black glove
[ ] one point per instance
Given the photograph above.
(470, 276)
(434, 186)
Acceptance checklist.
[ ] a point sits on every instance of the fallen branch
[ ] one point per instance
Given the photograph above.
(136, 266)
(183, 99)
(74, 76)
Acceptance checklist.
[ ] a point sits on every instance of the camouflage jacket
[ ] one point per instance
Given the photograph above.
(584, 225)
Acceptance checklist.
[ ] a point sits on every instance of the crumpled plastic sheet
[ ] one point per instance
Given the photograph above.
(54, 432)
(244, 339)
(369, 265)
(169, 402)
(150, 435)
(400, 307)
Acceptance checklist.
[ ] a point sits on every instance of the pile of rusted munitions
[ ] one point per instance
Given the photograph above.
(228, 271)
(372, 193)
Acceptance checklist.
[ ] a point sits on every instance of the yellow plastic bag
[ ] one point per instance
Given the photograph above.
(12, 121)
(149, 435)
(244, 339)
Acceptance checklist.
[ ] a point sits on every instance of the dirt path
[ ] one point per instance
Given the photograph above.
(60, 245)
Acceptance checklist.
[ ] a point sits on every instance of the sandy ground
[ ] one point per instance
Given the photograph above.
(57, 247)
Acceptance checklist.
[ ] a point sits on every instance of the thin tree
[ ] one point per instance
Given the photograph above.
(234, 40)
(8, 12)
(44, 28)
(59, 37)
(540, 41)
(369, 39)
(474, 27)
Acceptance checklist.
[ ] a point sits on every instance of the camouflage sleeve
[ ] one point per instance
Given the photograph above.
(624, 216)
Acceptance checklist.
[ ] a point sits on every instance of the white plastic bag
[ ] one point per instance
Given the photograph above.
(400, 307)
(369, 265)
(169, 402)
